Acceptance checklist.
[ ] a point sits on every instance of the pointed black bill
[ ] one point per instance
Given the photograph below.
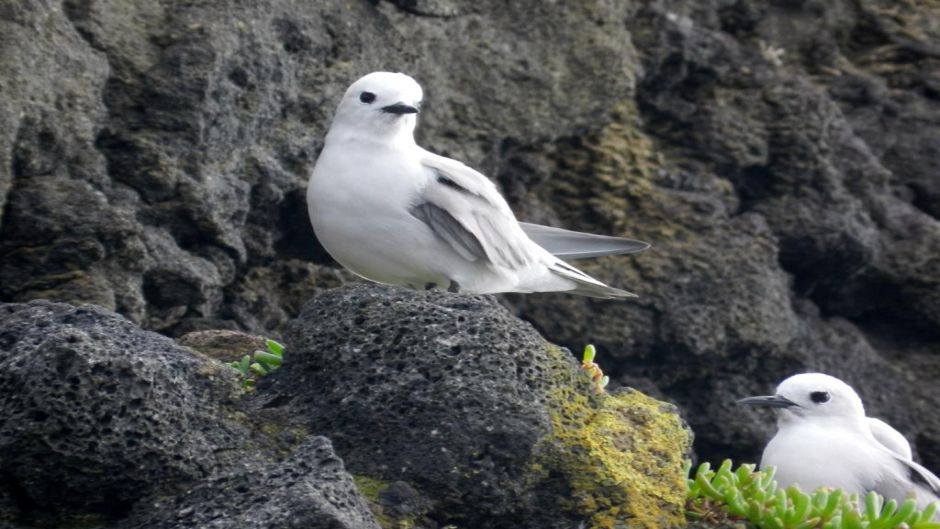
(400, 108)
(770, 401)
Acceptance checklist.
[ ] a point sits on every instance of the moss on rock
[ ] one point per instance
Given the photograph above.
(621, 454)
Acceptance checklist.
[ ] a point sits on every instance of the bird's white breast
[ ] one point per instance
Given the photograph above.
(812, 456)
(359, 197)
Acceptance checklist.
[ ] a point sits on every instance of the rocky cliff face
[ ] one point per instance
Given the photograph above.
(779, 156)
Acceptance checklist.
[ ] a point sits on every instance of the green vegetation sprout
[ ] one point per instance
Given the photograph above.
(259, 363)
(587, 363)
(746, 494)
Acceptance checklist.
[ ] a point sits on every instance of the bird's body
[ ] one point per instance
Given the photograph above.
(824, 439)
(395, 213)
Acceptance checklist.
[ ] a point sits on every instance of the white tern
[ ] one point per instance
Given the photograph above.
(824, 439)
(394, 213)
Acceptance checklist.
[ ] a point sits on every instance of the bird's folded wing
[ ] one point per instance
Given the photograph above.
(889, 437)
(922, 476)
(464, 208)
(570, 245)
(891, 486)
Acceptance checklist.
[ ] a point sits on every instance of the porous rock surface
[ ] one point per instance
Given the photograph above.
(100, 419)
(309, 489)
(780, 156)
(471, 418)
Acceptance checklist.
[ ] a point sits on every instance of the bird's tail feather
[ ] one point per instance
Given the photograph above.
(570, 245)
(586, 285)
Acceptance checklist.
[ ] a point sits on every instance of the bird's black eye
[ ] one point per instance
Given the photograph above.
(819, 396)
(367, 97)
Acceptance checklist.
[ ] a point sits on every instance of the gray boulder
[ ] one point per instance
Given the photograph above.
(100, 420)
(448, 410)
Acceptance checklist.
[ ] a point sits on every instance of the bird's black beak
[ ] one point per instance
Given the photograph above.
(770, 401)
(400, 108)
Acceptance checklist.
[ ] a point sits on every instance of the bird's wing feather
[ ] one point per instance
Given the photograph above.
(914, 478)
(464, 208)
(921, 476)
(889, 437)
(570, 245)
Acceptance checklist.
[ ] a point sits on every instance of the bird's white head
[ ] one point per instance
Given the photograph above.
(380, 106)
(813, 396)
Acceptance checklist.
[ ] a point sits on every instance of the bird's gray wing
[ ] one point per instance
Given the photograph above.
(921, 476)
(908, 478)
(570, 245)
(889, 437)
(465, 209)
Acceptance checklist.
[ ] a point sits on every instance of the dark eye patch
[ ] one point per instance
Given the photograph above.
(367, 97)
(819, 396)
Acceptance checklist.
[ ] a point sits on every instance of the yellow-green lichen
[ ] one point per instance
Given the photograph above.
(371, 489)
(621, 455)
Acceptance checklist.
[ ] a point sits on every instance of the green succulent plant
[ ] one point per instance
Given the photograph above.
(587, 363)
(752, 495)
(259, 363)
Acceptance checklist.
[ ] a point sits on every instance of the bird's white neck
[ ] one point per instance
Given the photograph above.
(853, 424)
(396, 138)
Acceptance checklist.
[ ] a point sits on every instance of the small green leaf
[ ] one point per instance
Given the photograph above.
(274, 348)
(928, 513)
(588, 355)
(268, 359)
(258, 368)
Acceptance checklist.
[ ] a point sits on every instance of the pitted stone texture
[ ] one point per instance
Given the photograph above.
(408, 385)
(308, 490)
(467, 406)
(96, 413)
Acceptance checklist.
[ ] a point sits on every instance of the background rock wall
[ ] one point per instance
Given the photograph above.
(779, 156)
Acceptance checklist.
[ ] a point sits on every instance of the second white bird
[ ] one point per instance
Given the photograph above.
(395, 213)
(824, 439)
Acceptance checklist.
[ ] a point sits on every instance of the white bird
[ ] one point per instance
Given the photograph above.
(394, 213)
(824, 439)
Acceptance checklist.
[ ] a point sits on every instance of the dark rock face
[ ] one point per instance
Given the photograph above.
(787, 236)
(154, 158)
(99, 418)
(310, 489)
(448, 410)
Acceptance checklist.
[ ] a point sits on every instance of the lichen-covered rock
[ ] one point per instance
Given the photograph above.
(780, 156)
(99, 419)
(772, 157)
(487, 423)
(308, 490)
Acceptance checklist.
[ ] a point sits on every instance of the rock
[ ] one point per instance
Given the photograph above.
(780, 156)
(106, 424)
(446, 408)
(308, 490)
(789, 232)
(97, 412)
(223, 345)
(159, 152)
